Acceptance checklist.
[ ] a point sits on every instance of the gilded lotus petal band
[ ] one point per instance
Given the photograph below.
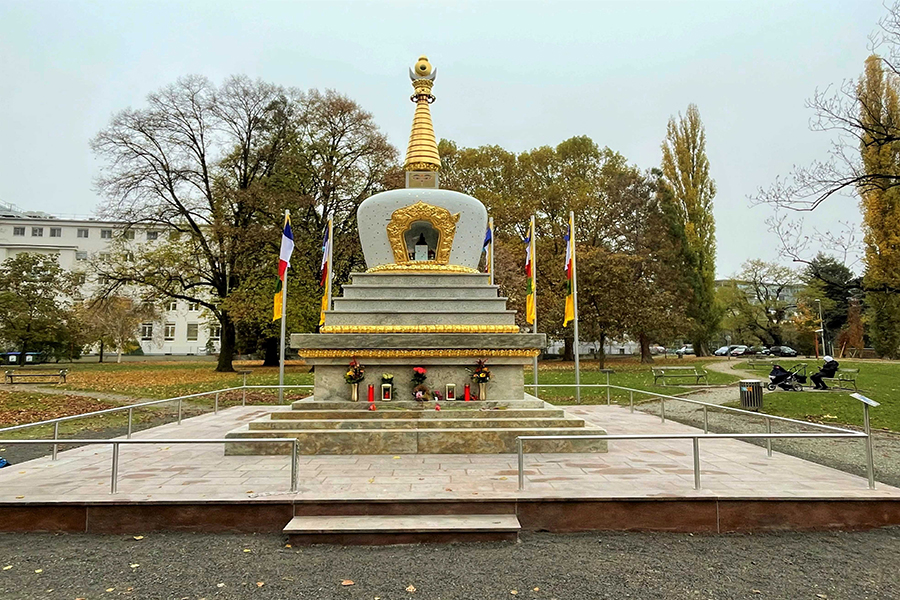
(421, 267)
(446, 353)
(419, 329)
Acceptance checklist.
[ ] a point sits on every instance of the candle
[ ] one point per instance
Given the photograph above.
(468, 393)
(371, 393)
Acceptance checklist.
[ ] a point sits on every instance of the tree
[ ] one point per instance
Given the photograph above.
(761, 301)
(35, 304)
(685, 170)
(830, 282)
(114, 320)
(215, 167)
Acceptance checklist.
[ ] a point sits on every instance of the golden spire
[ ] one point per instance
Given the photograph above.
(422, 152)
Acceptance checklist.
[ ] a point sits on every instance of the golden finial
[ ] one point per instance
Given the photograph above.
(422, 152)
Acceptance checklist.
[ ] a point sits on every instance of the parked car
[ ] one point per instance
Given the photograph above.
(758, 350)
(722, 351)
(657, 349)
(782, 351)
(739, 351)
(686, 349)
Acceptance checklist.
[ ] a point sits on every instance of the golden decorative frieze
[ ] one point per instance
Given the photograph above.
(443, 353)
(439, 217)
(420, 267)
(419, 329)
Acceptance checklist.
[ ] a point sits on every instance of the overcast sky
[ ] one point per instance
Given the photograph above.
(519, 75)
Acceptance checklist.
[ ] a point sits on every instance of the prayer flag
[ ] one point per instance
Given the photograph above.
(488, 246)
(326, 272)
(570, 273)
(530, 308)
(284, 261)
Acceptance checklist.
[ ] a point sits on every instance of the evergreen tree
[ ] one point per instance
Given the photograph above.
(685, 170)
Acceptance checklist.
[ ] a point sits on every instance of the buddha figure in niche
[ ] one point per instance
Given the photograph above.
(421, 241)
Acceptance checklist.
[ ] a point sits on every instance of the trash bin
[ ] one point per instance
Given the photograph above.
(751, 394)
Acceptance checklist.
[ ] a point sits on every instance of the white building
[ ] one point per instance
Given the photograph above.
(183, 328)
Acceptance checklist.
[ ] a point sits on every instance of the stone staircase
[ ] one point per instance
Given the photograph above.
(408, 427)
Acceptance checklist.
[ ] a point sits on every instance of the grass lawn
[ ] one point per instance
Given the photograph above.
(629, 372)
(877, 380)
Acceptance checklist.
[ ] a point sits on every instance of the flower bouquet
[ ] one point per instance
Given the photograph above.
(481, 374)
(355, 373)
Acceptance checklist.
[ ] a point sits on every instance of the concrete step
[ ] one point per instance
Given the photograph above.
(384, 316)
(441, 305)
(390, 413)
(424, 406)
(444, 423)
(432, 290)
(415, 441)
(401, 529)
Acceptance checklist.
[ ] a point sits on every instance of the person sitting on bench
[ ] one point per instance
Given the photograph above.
(828, 370)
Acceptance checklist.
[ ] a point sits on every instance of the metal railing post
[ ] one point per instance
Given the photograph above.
(870, 453)
(130, 415)
(521, 464)
(705, 420)
(179, 411)
(662, 410)
(769, 440)
(295, 449)
(607, 389)
(55, 437)
(216, 409)
(631, 401)
(696, 463)
(114, 484)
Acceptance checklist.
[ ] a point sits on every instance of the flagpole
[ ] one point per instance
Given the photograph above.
(534, 326)
(287, 214)
(491, 263)
(575, 302)
(330, 261)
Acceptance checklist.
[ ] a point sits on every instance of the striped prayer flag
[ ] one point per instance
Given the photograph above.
(530, 308)
(284, 261)
(488, 247)
(325, 271)
(570, 274)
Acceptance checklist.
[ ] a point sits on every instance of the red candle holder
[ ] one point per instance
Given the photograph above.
(371, 393)
(467, 394)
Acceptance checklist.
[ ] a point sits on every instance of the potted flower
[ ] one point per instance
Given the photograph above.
(420, 390)
(387, 386)
(355, 373)
(481, 374)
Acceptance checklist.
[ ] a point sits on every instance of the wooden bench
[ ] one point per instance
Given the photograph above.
(755, 363)
(678, 373)
(57, 377)
(843, 376)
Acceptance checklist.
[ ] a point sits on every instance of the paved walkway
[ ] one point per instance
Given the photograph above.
(630, 469)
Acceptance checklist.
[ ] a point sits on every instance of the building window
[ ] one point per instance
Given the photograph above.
(170, 332)
(173, 305)
(129, 256)
(81, 255)
(147, 331)
(83, 232)
(128, 234)
(102, 279)
(19, 231)
(80, 279)
(215, 332)
(193, 331)
(152, 235)
(56, 232)
(193, 306)
(106, 234)
(104, 256)
(37, 232)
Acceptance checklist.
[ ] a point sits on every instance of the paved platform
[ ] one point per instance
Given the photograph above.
(635, 485)
(651, 468)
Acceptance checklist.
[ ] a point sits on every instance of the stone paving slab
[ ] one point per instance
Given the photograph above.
(631, 469)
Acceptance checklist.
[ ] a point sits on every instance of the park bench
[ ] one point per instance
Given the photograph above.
(678, 373)
(54, 377)
(755, 363)
(843, 376)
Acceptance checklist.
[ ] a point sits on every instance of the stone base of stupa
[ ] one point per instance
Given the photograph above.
(444, 322)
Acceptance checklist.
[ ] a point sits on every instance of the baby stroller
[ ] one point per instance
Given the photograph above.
(790, 380)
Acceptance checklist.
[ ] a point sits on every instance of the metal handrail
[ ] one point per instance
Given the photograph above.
(114, 476)
(696, 437)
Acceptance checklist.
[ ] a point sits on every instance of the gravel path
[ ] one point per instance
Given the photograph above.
(796, 566)
(846, 455)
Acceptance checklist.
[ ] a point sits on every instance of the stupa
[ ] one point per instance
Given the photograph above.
(421, 303)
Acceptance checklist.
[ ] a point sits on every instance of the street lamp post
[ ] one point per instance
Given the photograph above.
(822, 326)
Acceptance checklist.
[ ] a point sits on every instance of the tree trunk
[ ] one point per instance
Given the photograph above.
(271, 355)
(227, 345)
(119, 356)
(101, 351)
(646, 357)
(568, 352)
(601, 355)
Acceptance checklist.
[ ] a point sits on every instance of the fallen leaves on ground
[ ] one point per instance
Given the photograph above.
(347, 582)
(411, 589)
(26, 407)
